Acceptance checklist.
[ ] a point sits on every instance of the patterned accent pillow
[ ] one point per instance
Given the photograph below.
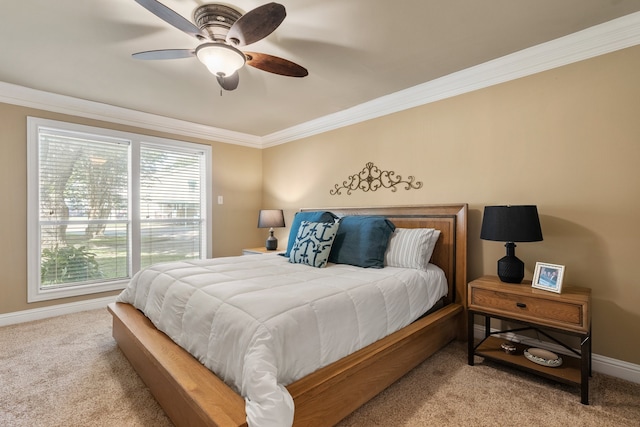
(410, 248)
(311, 216)
(313, 243)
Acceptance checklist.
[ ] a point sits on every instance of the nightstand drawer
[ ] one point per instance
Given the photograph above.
(543, 311)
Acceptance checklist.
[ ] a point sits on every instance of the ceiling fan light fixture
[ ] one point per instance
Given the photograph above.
(221, 59)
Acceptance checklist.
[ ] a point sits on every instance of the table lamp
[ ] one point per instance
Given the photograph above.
(269, 218)
(511, 224)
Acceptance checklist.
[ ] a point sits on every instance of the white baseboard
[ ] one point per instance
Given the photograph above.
(54, 310)
(602, 364)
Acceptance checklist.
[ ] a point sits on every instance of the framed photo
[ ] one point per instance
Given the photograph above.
(548, 277)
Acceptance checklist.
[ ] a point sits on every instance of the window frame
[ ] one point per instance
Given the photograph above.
(35, 292)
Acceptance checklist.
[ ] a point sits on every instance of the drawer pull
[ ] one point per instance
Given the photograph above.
(521, 305)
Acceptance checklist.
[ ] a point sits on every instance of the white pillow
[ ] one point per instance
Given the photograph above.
(410, 248)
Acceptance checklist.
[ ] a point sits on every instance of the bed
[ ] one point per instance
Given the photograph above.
(192, 395)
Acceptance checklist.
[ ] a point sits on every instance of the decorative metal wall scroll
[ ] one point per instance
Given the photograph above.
(371, 178)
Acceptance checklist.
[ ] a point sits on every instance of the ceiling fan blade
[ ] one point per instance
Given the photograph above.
(172, 17)
(229, 82)
(165, 54)
(276, 65)
(256, 24)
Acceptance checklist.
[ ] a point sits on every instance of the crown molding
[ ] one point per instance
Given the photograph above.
(594, 41)
(32, 98)
(608, 37)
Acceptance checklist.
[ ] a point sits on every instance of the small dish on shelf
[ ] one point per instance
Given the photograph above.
(508, 347)
(543, 357)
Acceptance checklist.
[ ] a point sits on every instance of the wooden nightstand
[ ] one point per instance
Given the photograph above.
(567, 313)
(261, 250)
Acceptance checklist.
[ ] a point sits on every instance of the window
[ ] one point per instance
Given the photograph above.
(103, 204)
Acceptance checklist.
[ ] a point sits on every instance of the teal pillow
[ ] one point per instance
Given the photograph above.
(362, 241)
(313, 243)
(311, 216)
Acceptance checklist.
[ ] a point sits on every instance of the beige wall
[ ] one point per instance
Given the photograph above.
(237, 176)
(567, 140)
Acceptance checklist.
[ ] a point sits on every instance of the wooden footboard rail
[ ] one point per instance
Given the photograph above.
(189, 393)
(193, 396)
(331, 393)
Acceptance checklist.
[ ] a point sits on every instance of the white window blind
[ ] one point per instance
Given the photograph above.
(84, 219)
(103, 204)
(170, 205)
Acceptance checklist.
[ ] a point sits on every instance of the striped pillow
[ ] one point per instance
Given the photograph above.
(410, 248)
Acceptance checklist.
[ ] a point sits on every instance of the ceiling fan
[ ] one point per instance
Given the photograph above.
(223, 29)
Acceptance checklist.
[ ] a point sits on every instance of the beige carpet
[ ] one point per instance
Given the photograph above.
(68, 371)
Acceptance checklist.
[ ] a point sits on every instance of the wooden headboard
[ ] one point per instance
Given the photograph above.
(450, 252)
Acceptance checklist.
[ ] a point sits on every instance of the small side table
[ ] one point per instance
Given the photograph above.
(568, 313)
(261, 251)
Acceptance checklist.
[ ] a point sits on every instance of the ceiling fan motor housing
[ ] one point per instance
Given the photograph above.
(216, 20)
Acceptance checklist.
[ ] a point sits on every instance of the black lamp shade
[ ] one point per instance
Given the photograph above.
(511, 224)
(269, 218)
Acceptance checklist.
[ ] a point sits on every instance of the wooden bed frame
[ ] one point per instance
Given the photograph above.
(191, 395)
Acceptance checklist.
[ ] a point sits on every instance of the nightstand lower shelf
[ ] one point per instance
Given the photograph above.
(569, 372)
(574, 371)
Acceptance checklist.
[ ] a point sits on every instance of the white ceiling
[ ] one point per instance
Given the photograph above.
(355, 50)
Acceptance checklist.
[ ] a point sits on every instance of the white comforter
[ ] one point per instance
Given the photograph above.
(260, 322)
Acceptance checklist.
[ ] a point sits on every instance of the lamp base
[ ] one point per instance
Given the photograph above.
(510, 268)
(272, 242)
